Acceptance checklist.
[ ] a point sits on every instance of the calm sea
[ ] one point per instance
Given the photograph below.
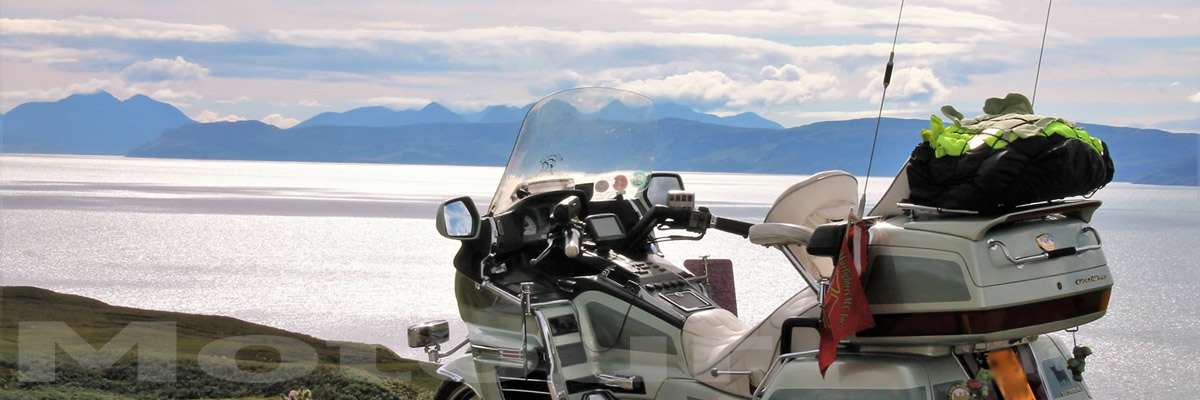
(349, 251)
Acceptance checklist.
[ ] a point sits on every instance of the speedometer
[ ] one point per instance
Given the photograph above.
(530, 226)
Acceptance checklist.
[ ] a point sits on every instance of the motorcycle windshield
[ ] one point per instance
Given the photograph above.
(597, 136)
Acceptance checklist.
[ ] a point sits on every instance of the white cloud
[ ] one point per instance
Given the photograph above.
(399, 103)
(280, 121)
(122, 28)
(164, 69)
(207, 116)
(176, 97)
(235, 100)
(825, 16)
(915, 84)
(784, 85)
(1168, 16)
(536, 46)
(53, 55)
(309, 103)
(1195, 98)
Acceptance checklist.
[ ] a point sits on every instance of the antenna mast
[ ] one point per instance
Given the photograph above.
(887, 80)
(1041, 51)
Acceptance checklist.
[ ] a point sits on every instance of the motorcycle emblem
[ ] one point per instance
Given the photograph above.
(1046, 242)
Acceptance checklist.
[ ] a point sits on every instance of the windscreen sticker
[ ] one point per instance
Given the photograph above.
(639, 178)
(601, 186)
(620, 183)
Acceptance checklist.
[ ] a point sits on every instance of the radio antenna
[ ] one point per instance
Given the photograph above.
(1041, 51)
(887, 80)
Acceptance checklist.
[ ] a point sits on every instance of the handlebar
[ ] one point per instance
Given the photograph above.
(732, 226)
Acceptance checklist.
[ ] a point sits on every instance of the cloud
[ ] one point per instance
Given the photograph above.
(825, 16)
(235, 100)
(280, 121)
(526, 46)
(784, 85)
(309, 103)
(1195, 98)
(180, 98)
(164, 69)
(53, 55)
(913, 84)
(122, 28)
(207, 116)
(398, 102)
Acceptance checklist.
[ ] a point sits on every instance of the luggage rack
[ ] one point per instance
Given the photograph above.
(916, 211)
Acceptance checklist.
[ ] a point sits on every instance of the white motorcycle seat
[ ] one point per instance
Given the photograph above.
(717, 339)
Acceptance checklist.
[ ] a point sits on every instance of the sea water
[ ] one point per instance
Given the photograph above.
(349, 251)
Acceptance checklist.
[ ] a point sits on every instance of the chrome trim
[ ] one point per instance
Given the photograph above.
(813, 282)
(667, 297)
(551, 357)
(617, 381)
(994, 244)
(448, 374)
(776, 366)
(1095, 234)
(718, 372)
(918, 207)
(525, 391)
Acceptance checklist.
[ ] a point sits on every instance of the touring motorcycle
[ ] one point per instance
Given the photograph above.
(566, 293)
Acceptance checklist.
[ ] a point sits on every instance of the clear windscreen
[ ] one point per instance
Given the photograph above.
(601, 136)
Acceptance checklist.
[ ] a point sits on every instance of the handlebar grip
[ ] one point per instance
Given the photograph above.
(732, 226)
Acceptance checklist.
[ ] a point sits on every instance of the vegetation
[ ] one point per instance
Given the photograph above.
(343, 370)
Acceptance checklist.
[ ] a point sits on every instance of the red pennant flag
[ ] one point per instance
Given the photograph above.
(846, 311)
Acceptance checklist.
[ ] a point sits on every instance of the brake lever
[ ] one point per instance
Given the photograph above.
(546, 252)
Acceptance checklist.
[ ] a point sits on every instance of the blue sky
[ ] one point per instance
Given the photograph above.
(792, 61)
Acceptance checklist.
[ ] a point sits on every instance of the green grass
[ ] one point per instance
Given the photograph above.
(371, 372)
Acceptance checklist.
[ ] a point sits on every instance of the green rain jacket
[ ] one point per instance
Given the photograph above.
(1004, 121)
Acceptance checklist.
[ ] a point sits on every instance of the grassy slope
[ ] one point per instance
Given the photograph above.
(97, 323)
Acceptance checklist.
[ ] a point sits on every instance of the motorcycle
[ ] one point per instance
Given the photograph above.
(566, 294)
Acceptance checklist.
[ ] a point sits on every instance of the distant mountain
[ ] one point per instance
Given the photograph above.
(95, 123)
(376, 116)
(743, 120)
(499, 114)
(1141, 155)
(459, 144)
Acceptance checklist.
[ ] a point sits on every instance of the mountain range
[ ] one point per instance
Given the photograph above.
(139, 126)
(95, 123)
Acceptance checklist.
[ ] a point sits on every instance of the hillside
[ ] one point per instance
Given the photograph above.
(1141, 155)
(368, 371)
(95, 123)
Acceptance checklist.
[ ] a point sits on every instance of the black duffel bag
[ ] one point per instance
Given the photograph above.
(1030, 170)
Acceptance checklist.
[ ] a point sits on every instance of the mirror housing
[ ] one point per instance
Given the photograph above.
(566, 210)
(429, 333)
(658, 188)
(785, 340)
(458, 219)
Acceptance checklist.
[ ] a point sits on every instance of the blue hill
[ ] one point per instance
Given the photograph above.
(95, 123)
(376, 116)
(1141, 156)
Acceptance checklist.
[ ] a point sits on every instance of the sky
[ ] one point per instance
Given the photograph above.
(795, 62)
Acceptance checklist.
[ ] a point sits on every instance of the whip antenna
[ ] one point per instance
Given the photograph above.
(1041, 51)
(887, 80)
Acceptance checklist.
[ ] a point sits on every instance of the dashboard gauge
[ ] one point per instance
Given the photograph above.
(530, 226)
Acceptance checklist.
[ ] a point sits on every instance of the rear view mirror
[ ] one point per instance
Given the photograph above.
(458, 219)
(658, 187)
(427, 334)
